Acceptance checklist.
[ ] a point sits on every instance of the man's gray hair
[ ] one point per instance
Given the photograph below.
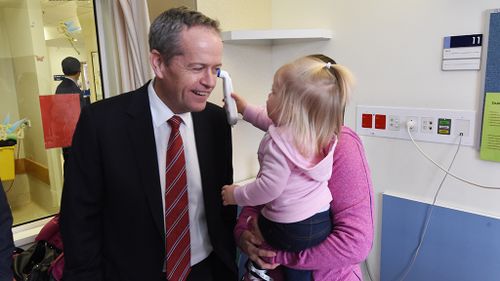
(164, 33)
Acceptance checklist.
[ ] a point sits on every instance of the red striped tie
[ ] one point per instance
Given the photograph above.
(178, 249)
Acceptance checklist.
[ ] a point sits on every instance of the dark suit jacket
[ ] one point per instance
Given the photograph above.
(111, 212)
(6, 243)
(68, 86)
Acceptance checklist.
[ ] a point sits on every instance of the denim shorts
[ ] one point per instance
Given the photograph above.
(296, 236)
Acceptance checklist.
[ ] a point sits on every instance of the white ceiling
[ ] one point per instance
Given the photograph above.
(4, 3)
(57, 12)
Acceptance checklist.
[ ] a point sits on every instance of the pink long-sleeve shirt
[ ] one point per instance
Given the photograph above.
(291, 186)
(338, 257)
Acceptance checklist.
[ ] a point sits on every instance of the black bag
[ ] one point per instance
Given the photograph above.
(33, 264)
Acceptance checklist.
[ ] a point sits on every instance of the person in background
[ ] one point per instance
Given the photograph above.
(117, 196)
(6, 241)
(303, 117)
(350, 240)
(69, 85)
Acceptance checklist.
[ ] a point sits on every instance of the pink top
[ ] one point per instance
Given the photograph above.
(338, 257)
(292, 187)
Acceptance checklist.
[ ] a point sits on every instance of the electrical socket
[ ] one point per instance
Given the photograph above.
(414, 119)
(428, 125)
(393, 123)
(462, 126)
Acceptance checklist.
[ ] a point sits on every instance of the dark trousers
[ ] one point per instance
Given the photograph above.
(297, 236)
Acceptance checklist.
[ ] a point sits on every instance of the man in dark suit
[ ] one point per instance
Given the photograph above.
(6, 243)
(112, 211)
(69, 85)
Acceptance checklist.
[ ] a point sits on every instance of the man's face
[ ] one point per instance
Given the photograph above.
(185, 83)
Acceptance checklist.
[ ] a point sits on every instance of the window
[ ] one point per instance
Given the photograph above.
(35, 35)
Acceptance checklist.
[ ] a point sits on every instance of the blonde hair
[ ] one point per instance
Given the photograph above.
(311, 99)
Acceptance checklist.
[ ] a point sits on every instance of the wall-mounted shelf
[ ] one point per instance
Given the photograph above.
(272, 35)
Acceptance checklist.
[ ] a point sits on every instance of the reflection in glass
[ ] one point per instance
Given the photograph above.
(97, 76)
(35, 35)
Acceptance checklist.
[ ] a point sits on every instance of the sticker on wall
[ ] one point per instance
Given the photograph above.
(59, 116)
(462, 52)
(490, 138)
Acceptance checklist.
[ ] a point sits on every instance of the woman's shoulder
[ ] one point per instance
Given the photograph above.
(348, 139)
(350, 157)
(348, 133)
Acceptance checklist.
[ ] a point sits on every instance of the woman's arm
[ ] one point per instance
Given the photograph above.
(352, 213)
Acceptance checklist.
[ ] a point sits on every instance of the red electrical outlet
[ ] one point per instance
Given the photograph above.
(380, 121)
(367, 120)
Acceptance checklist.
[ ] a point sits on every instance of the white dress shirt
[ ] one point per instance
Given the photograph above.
(200, 242)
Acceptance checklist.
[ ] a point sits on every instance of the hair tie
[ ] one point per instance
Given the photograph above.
(328, 65)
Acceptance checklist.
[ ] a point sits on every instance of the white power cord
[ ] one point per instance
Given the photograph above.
(410, 125)
(368, 270)
(428, 216)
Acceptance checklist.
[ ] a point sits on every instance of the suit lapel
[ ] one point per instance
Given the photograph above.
(144, 147)
(203, 146)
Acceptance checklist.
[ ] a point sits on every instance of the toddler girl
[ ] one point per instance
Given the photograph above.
(302, 118)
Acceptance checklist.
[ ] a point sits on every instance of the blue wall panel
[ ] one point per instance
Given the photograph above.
(492, 79)
(458, 246)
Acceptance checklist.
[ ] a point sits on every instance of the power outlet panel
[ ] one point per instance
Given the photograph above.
(414, 119)
(429, 124)
(394, 123)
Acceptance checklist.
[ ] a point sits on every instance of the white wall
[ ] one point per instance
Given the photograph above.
(28, 66)
(250, 67)
(394, 49)
(7, 79)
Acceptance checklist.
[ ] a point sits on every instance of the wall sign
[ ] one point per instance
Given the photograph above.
(462, 52)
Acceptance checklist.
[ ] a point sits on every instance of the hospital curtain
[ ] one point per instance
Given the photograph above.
(123, 27)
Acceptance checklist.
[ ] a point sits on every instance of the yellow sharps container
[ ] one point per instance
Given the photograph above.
(7, 163)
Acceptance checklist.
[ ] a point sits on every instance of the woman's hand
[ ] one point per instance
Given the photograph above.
(250, 242)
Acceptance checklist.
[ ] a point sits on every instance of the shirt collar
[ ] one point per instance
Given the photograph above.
(71, 78)
(160, 112)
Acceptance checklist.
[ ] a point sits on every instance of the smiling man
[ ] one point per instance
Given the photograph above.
(141, 198)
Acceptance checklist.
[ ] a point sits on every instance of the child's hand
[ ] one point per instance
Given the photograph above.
(228, 194)
(241, 103)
